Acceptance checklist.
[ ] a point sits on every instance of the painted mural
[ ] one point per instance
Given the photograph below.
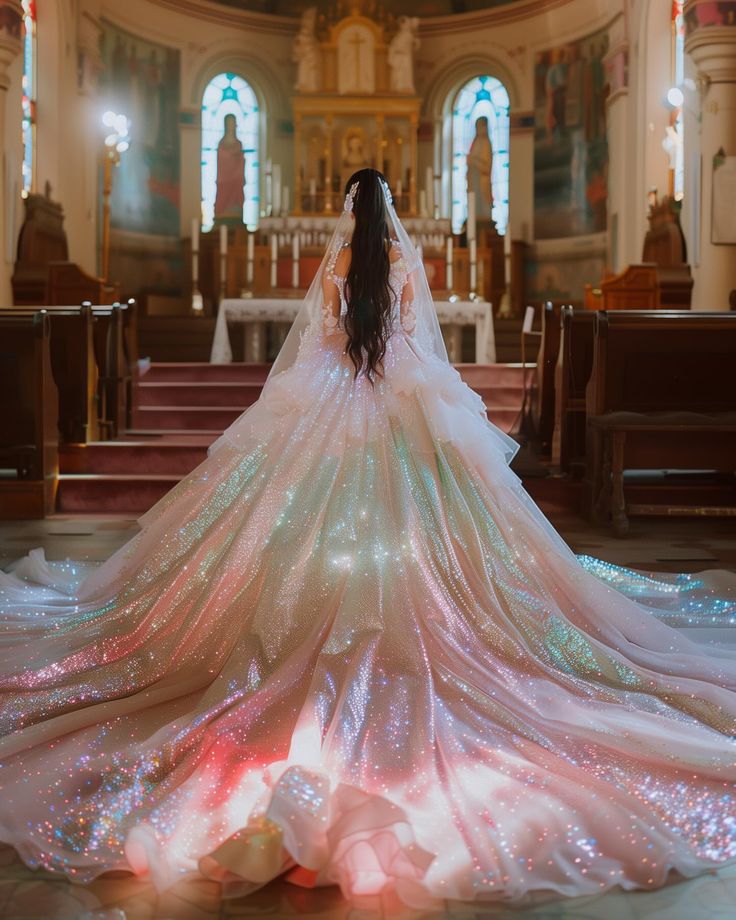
(570, 146)
(140, 79)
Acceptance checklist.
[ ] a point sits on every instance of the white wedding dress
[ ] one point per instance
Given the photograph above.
(349, 647)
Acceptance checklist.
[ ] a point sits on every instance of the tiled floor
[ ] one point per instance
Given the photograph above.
(654, 545)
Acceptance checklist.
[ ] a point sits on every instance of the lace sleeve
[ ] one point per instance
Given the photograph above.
(333, 294)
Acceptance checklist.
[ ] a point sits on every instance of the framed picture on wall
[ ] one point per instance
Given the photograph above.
(723, 218)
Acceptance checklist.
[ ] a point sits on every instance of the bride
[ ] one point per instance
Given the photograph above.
(349, 649)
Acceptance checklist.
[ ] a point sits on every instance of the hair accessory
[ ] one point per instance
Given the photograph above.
(386, 192)
(350, 197)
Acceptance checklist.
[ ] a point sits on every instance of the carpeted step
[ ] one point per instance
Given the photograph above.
(191, 418)
(162, 457)
(205, 373)
(85, 493)
(198, 393)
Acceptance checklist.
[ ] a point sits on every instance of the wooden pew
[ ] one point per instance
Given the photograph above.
(67, 283)
(574, 364)
(73, 367)
(662, 280)
(660, 396)
(28, 418)
(95, 372)
(114, 377)
(546, 364)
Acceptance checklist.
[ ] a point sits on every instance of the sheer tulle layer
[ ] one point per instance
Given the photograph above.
(349, 646)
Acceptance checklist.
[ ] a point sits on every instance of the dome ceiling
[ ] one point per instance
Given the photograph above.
(373, 8)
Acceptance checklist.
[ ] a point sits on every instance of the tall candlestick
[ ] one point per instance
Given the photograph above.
(276, 189)
(398, 188)
(423, 206)
(429, 185)
(449, 263)
(437, 196)
(195, 251)
(470, 226)
(313, 194)
(223, 258)
(274, 259)
(473, 266)
(295, 261)
(250, 259)
(285, 204)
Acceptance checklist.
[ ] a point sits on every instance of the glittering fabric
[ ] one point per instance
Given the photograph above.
(348, 645)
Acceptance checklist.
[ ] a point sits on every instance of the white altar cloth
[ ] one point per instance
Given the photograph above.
(263, 310)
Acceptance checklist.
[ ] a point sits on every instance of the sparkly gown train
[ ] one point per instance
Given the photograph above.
(349, 648)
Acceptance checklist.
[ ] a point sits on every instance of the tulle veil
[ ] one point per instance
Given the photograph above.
(309, 318)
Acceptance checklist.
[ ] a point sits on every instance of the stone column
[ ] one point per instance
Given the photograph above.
(621, 248)
(82, 210)
(711, 43)
(11, 31)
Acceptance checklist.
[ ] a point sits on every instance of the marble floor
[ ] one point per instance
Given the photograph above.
(654, 545)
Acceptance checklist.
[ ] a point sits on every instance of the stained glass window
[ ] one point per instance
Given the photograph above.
(29, 95)
(229, 94)
(481, 96)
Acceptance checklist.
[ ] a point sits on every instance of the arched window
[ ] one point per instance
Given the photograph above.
(28, 125)
(228, 94)
(481, 96)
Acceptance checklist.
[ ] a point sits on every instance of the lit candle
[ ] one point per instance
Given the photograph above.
(449, 263)
(295, 261)
(250, 256)
(274, 259)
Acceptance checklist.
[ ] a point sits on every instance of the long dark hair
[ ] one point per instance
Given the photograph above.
(367, 288)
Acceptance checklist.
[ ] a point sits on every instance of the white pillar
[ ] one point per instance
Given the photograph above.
(713, 51)
(621, 250)
(10, 46)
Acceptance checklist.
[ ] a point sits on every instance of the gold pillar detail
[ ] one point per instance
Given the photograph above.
(413, 160)
(328, 165)
(379, 141)
(298, 163)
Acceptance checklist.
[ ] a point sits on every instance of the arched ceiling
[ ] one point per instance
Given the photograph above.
(373, 8)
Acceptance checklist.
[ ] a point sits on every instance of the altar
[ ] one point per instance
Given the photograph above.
(258, 311)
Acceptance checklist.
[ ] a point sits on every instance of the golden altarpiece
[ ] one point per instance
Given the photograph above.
(355, 106)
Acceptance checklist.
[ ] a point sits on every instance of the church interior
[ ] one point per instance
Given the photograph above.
(172, 171)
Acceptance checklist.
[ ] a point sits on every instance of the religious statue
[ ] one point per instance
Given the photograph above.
(480, 163)
(401, 55)
(306, 53)
(354, 157)
(230, 174)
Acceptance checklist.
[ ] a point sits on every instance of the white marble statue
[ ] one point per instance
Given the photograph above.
(306, 53)
(401, 55)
